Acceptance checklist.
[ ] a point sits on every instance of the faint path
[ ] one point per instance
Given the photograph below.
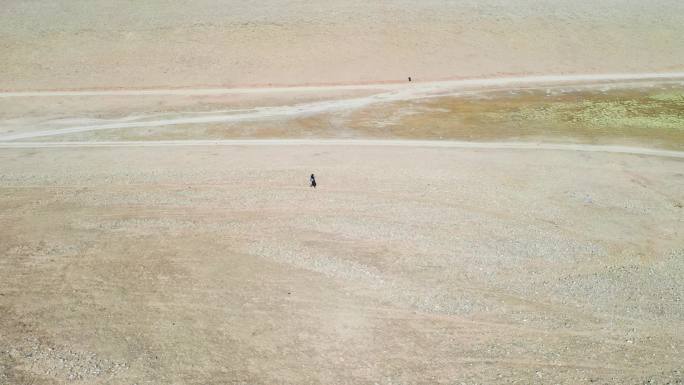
(358, 142)
(446, 85)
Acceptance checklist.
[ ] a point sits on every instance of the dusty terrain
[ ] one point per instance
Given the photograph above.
(407, 265)
(513, 215)
(145, 241)
(71, 44)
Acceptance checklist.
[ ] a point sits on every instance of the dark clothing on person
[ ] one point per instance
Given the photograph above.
(313, 181)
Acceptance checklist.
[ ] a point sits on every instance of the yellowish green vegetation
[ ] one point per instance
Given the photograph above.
(651, 117)
(593, 113)
(673, 96)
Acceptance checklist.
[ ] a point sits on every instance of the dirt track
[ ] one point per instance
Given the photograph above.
(327, 103)
(354, 143)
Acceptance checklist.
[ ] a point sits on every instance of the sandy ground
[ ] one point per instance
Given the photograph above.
(406, 265)
(513, 215)
(145, 241)
(70, 44)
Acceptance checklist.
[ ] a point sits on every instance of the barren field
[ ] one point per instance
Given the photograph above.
(513, 215)
(72, 44)
(407, 265)
(171, 237)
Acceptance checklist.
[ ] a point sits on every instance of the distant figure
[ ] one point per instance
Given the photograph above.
(409, 78)
(313, 181)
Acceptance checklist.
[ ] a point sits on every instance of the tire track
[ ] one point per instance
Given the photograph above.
(392, 93)
(359, 143)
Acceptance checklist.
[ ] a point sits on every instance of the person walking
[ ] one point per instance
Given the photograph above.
(313, 181)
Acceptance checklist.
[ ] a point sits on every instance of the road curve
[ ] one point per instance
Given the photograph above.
(360, 142)
(390, 93)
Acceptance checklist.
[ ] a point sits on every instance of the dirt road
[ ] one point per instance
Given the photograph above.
(414, 89)
(377, 94)
(354, 143)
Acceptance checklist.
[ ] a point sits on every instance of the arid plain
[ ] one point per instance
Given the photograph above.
(513, 215)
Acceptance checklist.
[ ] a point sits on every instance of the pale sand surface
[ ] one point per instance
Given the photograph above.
(481, 224)
(71, 44)
(406, 265)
